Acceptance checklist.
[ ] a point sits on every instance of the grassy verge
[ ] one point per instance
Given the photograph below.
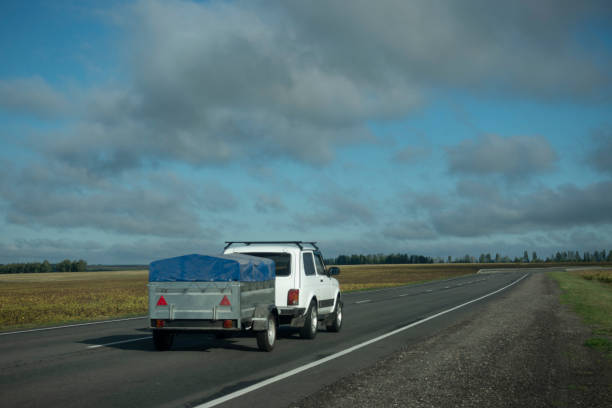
(591, 298)
(29, 300)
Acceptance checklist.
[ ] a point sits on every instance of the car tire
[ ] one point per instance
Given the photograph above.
(163, 340)
(336, 324)
(266, 339)
(309, 331)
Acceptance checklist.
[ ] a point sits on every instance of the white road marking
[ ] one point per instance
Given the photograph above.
(363, 301)
(404, 294)
(118, 342)
(308, 366)
(74, 325)
(429, 291)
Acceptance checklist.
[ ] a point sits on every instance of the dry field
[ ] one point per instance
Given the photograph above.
(360, 277)
(37, 299)
(28, 300)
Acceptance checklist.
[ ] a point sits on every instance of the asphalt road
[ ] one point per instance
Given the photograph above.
(115, 364)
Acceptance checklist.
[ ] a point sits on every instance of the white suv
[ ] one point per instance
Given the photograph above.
(306, 292)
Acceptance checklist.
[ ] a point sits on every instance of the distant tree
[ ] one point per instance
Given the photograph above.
(64, 266)
(46, 267)
(586, 256)
(534, 257)
(81, 265)
(497, 258)
(525, 256)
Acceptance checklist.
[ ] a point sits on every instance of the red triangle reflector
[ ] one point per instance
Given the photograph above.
(162, 302)
(225, 301)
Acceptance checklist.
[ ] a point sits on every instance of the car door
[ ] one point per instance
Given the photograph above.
(311, 281)
(326, 300)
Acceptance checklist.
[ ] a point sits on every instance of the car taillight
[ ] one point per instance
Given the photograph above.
(293, 297)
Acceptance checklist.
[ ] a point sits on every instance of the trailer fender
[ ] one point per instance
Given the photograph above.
(260, 316)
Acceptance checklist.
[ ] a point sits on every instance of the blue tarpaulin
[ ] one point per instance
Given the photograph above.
(208, 268)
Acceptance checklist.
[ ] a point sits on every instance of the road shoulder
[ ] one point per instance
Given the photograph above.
(522, 349)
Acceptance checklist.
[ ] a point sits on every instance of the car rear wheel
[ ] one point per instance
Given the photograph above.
(309, 331)
(336, 324)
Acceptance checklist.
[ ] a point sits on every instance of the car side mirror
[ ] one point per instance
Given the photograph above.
(333, 270)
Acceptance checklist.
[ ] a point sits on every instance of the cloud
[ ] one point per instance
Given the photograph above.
(32, 97)
(411, 154)
(334, 209)
(269, 203)
(517, 47)
(257, 81)
(160, 205)
(512, 157)
(548, 209)
(409, 230)
(140, 251)
(600, 156)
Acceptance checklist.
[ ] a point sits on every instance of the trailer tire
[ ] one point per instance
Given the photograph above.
(266, 339)
(162, 340)
(336, 324)
(309, 331)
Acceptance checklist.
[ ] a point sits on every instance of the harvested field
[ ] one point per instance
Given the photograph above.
(28, 300)
(361, 277)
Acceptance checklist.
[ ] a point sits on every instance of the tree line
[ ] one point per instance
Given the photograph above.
(372, 259)
(559, 256)
(43, 267)
(564, 256)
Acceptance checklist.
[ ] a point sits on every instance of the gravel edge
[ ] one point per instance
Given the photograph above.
(522, 349)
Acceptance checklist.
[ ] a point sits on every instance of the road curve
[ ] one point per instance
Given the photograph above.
(115, 364)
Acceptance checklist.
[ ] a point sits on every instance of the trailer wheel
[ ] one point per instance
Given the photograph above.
(267, 338)
(309, 331)
(162, 340)
(336, 325)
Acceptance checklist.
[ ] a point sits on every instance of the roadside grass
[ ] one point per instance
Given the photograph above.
(590, 298)
(603, 275)
(30, 300)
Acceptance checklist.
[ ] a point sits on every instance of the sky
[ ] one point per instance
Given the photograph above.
(134, 131)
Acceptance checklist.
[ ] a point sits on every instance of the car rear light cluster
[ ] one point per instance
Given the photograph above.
(293, 297)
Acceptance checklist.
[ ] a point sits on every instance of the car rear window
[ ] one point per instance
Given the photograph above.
(282, 261)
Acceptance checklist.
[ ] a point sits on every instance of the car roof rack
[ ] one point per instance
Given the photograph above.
(298, 243)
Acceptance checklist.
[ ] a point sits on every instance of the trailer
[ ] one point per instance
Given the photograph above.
(222, 294)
